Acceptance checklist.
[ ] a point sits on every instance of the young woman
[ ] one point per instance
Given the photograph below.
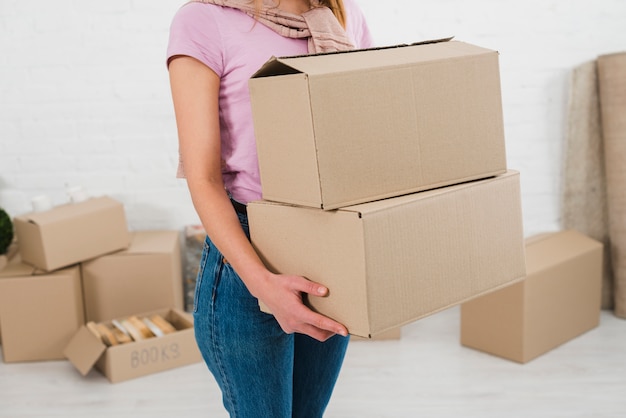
(285, 364)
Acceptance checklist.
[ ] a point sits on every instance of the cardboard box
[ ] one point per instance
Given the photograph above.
(144, 277)
(71, 233)
(393, 261)
(338, 129)
(12, 251)
(39, 312)
(559, 300)
(131, 360)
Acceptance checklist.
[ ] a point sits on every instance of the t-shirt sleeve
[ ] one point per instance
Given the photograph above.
(357, 26)
(194, 32)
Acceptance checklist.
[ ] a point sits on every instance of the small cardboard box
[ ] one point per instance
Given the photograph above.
(39, 312)
(144, 277)
(338, 129)
(393, 261)
(135, 359)
(559, 300)
(71, 233)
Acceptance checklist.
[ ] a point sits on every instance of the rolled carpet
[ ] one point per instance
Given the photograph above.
(612, 94)
(583, 205)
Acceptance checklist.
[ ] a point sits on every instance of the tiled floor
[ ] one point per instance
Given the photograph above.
(424, 374)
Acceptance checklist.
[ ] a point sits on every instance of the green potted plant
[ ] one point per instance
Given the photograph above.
(6, 236)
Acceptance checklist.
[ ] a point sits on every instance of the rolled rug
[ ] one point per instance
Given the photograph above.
(583, 205)
(612, 88)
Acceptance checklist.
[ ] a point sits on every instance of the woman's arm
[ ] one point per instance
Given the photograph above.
(195, 92)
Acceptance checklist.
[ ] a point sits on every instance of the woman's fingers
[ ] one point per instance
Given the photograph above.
(303, 285)
(297, 317)
(325, 324)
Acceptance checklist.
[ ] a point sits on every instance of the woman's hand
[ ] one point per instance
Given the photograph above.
(282, 294)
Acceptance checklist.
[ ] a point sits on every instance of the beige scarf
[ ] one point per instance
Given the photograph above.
(319, 25)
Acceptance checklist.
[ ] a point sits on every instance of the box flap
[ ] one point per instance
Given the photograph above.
(366, 59)
(84, 350)
(68, 211)
(275, 66)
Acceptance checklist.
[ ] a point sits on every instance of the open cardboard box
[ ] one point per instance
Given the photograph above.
(364, 125)
(69, 234)
(139, 358)
(390, 262)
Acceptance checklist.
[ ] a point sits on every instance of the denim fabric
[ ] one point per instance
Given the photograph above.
(261, 370)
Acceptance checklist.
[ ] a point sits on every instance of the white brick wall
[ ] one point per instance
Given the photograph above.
(84, 94)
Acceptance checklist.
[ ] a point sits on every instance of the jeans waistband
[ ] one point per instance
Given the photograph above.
(240, 208)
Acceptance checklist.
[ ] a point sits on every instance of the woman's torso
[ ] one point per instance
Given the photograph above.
(235, 46)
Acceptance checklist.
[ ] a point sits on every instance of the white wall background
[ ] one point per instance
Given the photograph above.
(84, 93)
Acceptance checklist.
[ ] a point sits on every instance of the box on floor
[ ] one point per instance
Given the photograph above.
(370, 124)
(68, 234)
(144, 277)
(137, 358)
(39, 311)
(559, 300)
(393, 261)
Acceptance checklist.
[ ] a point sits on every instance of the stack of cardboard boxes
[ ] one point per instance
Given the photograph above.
(384, 177)
(78, 265)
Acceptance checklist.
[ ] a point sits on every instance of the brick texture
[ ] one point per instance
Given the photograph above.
(84, 93)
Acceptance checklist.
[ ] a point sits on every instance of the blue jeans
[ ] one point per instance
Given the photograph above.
(261, 370)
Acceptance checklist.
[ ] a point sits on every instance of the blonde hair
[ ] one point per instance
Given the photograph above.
(338, 10)
(336, 6)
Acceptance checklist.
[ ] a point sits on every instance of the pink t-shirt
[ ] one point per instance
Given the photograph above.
(235, 46)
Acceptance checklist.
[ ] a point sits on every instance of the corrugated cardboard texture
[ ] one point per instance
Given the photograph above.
(390, 262)
(372, 124)
(69, 234)
(39, 313)
(146, 276)
(559, 300)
